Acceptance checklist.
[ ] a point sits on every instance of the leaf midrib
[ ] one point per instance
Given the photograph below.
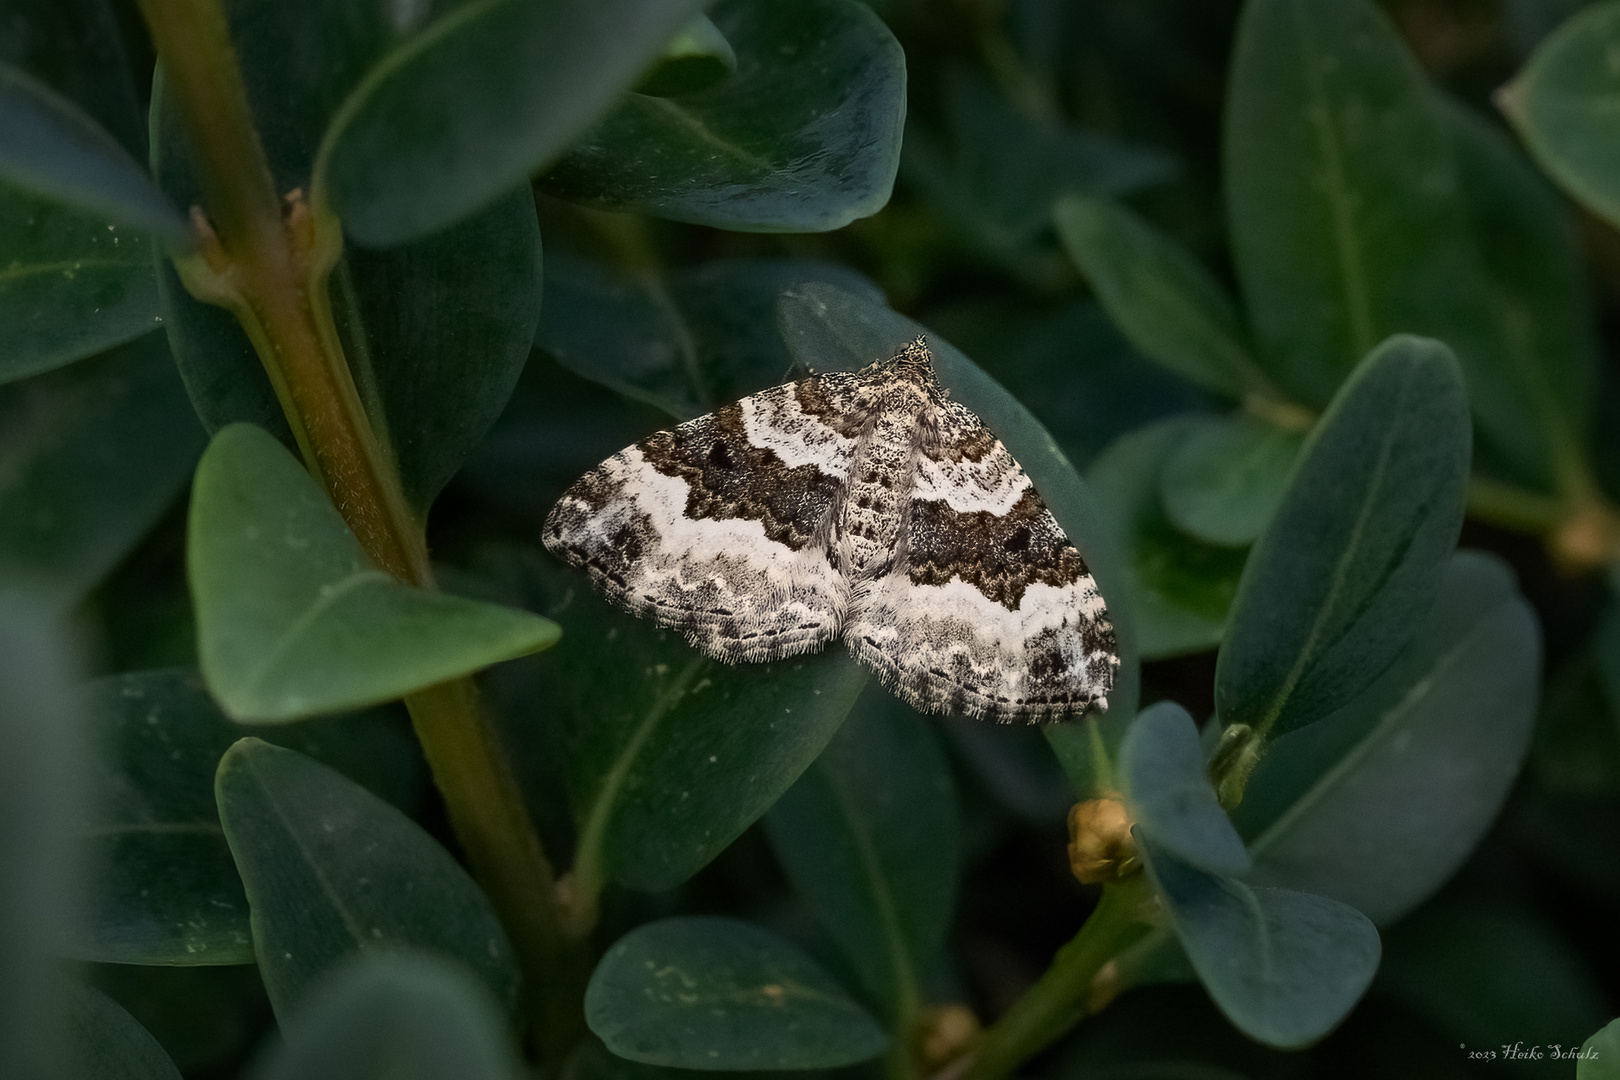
(315, 868)
(1341, 572)
(888, 911)
(1337, 190)
(589, 862)
(263, 673)
(1352, 758)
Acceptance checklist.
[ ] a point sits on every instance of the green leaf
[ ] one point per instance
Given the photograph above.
(71, 286)
(165, 889)
(41, 796)
(1332, 591)
(79, 49)
(1080, 377)
(1284, 966)
(89, 459)
(435, 331)
(682, 343)
(695, 59)
(383, 1016)
(1225, 481)
(1600, 1055)
(1181, 587)
(1533, 402)
(331, 870)
(1380, 803)
(1562, 104)
(50, 149)
(1170, 307)
(438, 331)
(829, 329)
(998, 171)
(1167, 787)
(710, 993)
(206, 1018)
(868, 838)
(1341, 192)
(805, 137)
(294, 620)
(666, 756)
(106, 1043)
(464, 104)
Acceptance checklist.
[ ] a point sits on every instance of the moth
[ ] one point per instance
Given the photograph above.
(867, 507)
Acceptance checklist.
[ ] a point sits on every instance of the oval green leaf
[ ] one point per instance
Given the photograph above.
(437, 332)
(1224, 483)
(93, 455)
(51, 149)
(684, 342)
(1380, 803)
(1170, 307)
(996, 174)
(710, 993)
(1166, 782)
(380, 1011)
(164, 887)
(666, 756)
(868, 838)
(805, 137)
(106, 1043)
(1284, 966)
(331, 870)
(1600, 1055)
(1533, 400)
(471, 101)
(1562, 104)
(1341, 192)
(292, 617)
(72, 285)
(1333, 590)
(1182, 587)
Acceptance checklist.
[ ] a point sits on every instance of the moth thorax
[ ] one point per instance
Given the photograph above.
(880, 481)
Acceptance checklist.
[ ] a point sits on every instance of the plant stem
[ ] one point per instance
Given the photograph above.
(1068, 990)
(268, 262)
(270, 268)
(491, 821)
(1514, 507)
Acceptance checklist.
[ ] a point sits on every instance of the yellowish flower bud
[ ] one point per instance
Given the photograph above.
(1100, 844)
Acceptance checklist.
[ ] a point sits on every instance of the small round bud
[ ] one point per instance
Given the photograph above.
(1100, 844)
(943, 1033)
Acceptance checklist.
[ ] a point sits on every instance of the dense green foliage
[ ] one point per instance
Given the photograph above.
(1277, 302)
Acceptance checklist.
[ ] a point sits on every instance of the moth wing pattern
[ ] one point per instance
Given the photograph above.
(988, 609)
(720, 527)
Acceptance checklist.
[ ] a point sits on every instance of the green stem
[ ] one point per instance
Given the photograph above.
(1068, 990)
(268, 261)
(1514, 507)
(491, 821)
